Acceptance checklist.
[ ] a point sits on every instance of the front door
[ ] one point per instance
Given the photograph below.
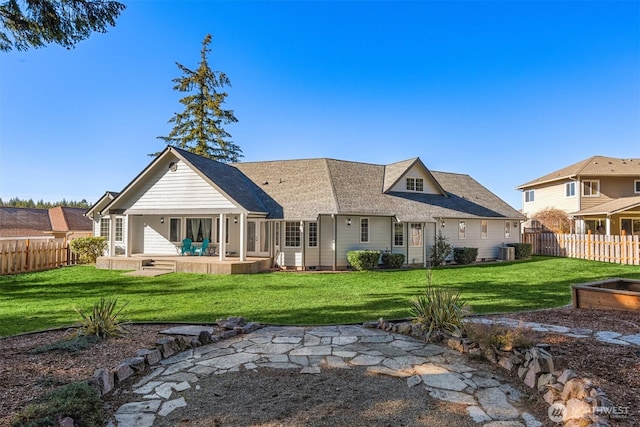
(257, 238)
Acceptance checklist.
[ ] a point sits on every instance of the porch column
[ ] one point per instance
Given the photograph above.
(243, 246)
(608, 225)
(128, 243)
(112, 235)
(222, 232)
(333, 243)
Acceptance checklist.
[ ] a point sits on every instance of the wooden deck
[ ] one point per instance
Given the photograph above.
(186, 264)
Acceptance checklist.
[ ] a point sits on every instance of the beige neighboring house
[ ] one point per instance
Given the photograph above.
(303, 214)
(601, 194)
(59, 223)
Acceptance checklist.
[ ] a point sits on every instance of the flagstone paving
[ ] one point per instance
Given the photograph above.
(443, 373)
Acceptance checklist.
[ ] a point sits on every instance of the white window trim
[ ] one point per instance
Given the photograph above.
(462, 229)
(309, 234)
(115, 231)
(368, 230)
(484, 229)
(416, 225)
(507, 229)
(636, 186)
(394, 235)
(299, 231)
(591, 195)
(531, 199)
(180, 231)
(566, 188)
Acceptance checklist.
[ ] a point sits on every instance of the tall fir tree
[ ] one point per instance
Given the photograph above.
(199, 128)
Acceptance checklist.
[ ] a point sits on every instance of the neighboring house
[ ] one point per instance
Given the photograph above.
(305, 214)
(62, 223)
(601, 194)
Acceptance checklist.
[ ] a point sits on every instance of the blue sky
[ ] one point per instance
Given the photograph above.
(504, 91)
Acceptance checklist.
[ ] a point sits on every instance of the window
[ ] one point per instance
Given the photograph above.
(630, 226)
(595, 226)
(570, 189)
(364, 230)
(313, 234)
(277, 234)
(529, 196)
(226, 230)
(416, 234)
(198, 229)
(507, 229)
(636, 186)
(462, 230)
(591, 188)
(292, 234)
(398, 234)
(104, 227)
(175, 224)
(119, 230)
(485, 228)
(415, 184)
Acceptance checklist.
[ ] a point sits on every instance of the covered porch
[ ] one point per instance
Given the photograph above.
(187, 264)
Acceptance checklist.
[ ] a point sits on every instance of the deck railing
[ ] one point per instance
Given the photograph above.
(614, 249)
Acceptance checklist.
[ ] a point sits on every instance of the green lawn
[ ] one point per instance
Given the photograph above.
(30, 302)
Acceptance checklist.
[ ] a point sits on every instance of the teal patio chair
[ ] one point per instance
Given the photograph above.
(186, 248)
(202, 249)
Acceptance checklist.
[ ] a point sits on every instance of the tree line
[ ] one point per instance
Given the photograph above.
(41, 204)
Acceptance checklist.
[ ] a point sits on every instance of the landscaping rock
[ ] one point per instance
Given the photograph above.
(103, 379)
(152, 357)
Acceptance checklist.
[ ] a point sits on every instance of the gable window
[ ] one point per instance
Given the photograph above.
(636, 186)
(415, 184)
(364, 230)
(507, 229)
(570, 189)
(529, 196)
(398, 234)
(462, 230)
(485, 228)
(591, 188)
(174, 229)
(313, 234)
(105, 224)
(416, 234)
(292, 234)
(118, 230)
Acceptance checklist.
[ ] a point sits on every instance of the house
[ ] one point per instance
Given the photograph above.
(302, 214)
(601, 194)
(62, 223)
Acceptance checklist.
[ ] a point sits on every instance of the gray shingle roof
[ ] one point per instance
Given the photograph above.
(614, 206)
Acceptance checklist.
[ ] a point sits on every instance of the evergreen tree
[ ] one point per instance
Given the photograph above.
(198, 128)
(32, 24)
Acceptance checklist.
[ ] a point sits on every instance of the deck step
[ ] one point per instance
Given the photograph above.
(153, 265)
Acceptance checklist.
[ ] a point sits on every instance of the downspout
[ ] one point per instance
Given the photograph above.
(335, 231)
(112, 235)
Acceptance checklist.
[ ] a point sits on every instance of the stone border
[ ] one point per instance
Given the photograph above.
(106, 379)
(573, 401)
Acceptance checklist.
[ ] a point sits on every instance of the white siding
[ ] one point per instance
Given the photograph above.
(487, 248)
(155, 237)
(325, 226)
(168, 190)
(311, 254)
(430, 186)
(380, 234)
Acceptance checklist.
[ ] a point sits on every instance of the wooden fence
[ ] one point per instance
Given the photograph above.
(614, 249)
(25, 255)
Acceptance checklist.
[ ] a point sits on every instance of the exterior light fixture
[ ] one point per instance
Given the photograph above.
(349, 221)
(235, 220)
(161, 220)
(443, 223)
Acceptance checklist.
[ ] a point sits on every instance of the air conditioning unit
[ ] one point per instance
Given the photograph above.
(507, 253)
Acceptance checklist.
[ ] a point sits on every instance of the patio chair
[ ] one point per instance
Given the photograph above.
(186, 248)
(202, 249)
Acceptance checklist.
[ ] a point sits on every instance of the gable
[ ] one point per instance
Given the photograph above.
(172, 185)
(410, 176)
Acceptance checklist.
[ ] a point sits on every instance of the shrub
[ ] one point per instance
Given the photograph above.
(390, 260)
(438, 311)
(500, 337)
(71, 345)
(441, 249)
(89, 248)
(103, 321)
(79, 401)
(364, 259)
(465, 255)
(523, 250)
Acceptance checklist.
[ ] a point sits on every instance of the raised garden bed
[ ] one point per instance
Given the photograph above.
(610, 294)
